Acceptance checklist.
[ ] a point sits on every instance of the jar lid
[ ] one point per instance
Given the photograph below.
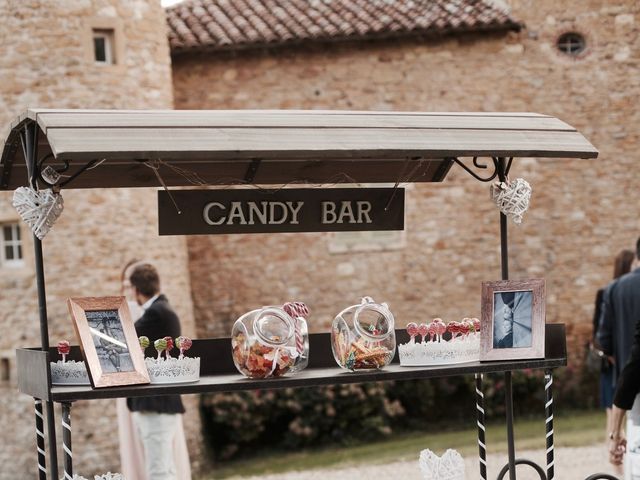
(373, 320)
(273, 326)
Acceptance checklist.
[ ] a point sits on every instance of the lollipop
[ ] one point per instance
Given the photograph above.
(169, 346)
(63, 349)
(161, 345)
(433, 330)
(412, 330)
(465, 327)
(440, 327)
(454, 329)
(476, 325)
(296, 309)
(184, 344)
(423, 331)
(144, 342)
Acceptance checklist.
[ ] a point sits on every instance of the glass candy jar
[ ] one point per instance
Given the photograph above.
(268, 342)
(363, 336)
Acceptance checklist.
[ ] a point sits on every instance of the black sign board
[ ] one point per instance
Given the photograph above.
(287, 210)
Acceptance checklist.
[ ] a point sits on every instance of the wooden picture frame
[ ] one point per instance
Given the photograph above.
(108, 341)
(513, 320)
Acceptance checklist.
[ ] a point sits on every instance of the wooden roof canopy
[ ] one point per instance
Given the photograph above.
(225, 147)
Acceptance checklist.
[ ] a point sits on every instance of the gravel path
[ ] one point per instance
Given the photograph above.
(571, 464)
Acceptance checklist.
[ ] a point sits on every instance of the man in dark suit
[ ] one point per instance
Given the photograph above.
(155, 417)
(622, 306)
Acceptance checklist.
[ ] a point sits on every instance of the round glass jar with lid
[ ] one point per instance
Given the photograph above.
(363, 336)
(268, 342)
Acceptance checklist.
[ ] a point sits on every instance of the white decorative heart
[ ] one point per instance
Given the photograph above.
(448, 467)
(512, 198)
(38, 208)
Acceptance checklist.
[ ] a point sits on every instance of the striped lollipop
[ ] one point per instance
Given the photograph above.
(160, 345)
(295, 310)
(184, 344)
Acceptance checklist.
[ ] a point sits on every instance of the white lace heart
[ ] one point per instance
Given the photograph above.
(448, 467)
(512, 198)
(38, 208)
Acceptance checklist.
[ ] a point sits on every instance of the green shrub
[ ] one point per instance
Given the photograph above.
(243, 422)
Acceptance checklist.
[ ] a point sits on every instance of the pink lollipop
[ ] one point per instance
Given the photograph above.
(433, 331)
(63, 349)
(423, 331)
(454, 329)
(412, 330)
(476, 324)
(440, 327)
(465, 327)
(184, 344)
(169, 346)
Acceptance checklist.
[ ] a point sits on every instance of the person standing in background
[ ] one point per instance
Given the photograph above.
(132, 456)
(619, 336)
(610, 369)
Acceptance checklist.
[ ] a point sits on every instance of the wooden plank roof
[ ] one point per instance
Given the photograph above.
(277, 146)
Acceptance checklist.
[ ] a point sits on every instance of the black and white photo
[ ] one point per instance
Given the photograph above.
(109, 341)
(512, 319)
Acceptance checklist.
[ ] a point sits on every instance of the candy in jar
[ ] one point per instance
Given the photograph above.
(265, 343)
(363, 336)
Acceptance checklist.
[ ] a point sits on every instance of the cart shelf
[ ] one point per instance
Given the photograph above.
(219, 374)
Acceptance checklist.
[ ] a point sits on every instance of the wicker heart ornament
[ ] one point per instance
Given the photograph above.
(449, 466)
(512, 198)
(38, 208)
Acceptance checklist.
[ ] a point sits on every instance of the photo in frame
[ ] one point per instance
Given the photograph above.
(513, 320)
(108, 341)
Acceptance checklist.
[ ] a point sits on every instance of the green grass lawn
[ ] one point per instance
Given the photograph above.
(571, 430)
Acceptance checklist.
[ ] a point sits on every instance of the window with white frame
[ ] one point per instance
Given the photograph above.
(11, 243)
(103, 46)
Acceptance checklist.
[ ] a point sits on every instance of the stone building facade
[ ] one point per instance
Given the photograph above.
(582, 212)
(47, 60)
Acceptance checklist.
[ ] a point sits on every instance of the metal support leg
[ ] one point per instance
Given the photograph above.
(66, 441)
(508, 393)
(482, 448)
(548, 410)
(42, 459)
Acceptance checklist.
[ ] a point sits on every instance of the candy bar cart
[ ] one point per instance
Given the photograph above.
(114, 149)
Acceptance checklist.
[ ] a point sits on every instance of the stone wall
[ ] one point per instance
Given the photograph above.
(582, 212)
(47, 61)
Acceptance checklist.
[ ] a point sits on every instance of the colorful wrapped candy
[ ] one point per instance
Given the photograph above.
(160, 345)
(63, 349)
(184, 344)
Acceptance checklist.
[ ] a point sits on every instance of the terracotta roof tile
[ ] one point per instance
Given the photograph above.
(229, 24)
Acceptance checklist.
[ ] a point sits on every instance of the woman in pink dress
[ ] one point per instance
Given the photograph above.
(131, 449)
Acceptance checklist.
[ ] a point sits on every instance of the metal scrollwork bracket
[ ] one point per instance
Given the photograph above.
(500, 168)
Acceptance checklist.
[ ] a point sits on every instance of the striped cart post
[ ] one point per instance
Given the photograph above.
(66, 441)
(42, 459)
(548, 408)
(481, 428)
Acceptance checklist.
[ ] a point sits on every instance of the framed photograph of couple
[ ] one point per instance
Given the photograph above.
(513, 319)
(108, 341)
